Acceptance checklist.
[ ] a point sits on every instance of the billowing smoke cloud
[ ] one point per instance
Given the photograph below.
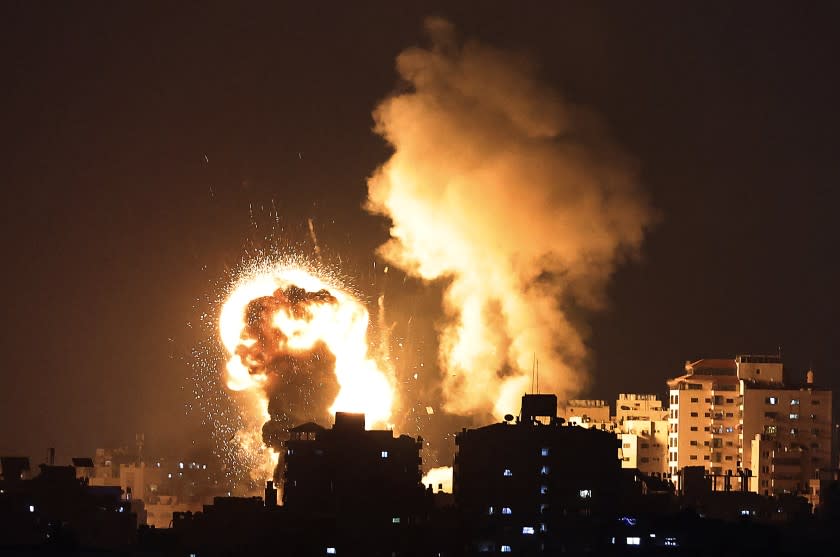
(517, 198)
(300, 383)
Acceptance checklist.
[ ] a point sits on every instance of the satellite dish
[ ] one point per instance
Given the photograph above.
(508, 417)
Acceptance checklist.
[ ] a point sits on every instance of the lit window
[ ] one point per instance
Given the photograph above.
(585, 493)
(794, 416)
(506, 510)
(545, 470)
(671, 542)
(528, 530)
(32, 508)
(794, 402)
(543, 508)
(505, 549)
(507, 472)
(543, 528)
(384, 454)
(490, 510)
(290, 452)
(181, 465)
(772, 400)
(395, 520)
(634, 541)
(543, 490)
(544, 451)
(330, 551)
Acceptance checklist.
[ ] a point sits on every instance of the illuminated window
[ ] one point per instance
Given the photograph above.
(543, 528)
(505, 549)
(330, 551)
(771, 400)
(181, 465)
(544, 451)
(507, 472)
(32, 508)
(585, 493)
(543, 490)
(395, 520)
(634, 541)
(794, 402)
(794, 416)
(528, 530)
(384, 454)
(490, 510)
(506, 510)
(545, 470)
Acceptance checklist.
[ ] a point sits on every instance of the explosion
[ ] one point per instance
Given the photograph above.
(298, 352)
(517, 200)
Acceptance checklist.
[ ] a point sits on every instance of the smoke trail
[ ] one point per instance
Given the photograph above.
(515, 196)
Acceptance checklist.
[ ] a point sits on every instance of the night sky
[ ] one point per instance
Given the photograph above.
(143, 143)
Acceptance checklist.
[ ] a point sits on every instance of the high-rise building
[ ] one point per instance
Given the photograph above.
(737, 417)
(704, 418)
(534, 484)
(354, 473)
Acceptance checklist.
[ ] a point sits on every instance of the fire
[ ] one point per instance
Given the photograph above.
(298, 351)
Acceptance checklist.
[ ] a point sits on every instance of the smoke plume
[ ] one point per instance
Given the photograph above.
(514, 196)
(300, 384)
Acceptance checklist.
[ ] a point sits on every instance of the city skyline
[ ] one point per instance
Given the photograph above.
(149, 151)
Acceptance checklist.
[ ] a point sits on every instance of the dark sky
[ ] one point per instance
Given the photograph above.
(115, 226)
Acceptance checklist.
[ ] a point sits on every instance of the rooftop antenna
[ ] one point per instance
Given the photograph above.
(538, 378)
(533, 371)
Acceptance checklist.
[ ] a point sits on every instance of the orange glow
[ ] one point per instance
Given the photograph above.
(339, 321)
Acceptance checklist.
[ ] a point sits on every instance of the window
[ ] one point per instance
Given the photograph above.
(706, 457)
(729, 401)
(545, 470)
(507, 472)
(729, 415)
(528, 530)
(395, 520)
(384, 454)
(794, 402)
(506, 510)
(626, 445)
(694, 414)
(645, 445)
(694, 400)
(728, 457)
(330, 551)
(506, 549)
(693, 428)
(693, 443)
(543, 490)
(585, 493)
(634, 541)
(771, 400)
(543, 528)
(32, 508)
(645, 460)
(730, 429)
(490, 510)
(770, 430)
(793, 431)
(794, 416)
(544, 451)
(816, 402)
(706, 415)
(693, 457)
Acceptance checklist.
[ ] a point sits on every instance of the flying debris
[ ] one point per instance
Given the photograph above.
(298, 352)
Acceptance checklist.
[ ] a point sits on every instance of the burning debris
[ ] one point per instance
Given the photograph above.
(298, 351)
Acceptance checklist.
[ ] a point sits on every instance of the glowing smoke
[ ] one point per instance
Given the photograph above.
(504, 188)
(298, 351)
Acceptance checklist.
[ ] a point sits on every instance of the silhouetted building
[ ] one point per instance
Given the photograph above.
(536, 485)
(351, 472)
